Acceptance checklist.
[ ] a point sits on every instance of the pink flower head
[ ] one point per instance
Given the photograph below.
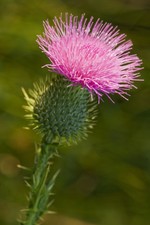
(93, 55)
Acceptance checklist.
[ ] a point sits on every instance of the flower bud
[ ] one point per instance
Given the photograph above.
(59, 110)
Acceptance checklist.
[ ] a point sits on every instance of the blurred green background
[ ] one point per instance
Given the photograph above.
(104, 180)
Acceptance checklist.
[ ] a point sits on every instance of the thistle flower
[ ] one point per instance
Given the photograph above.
(95, 56)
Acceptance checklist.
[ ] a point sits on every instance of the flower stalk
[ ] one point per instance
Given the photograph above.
(42, 184)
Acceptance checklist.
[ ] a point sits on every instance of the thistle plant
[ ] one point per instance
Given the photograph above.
(87, 60)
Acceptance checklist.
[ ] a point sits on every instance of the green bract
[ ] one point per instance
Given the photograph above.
(60, 110)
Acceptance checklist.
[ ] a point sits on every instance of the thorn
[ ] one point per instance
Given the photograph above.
(27, 178)
(57, 154)
(51, 212)
(50, 203)
(23, 167)
(24, 210)
(28, 185)
(24, 93)
(26, 128)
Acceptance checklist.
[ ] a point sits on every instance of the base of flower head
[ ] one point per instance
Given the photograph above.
(60, 110)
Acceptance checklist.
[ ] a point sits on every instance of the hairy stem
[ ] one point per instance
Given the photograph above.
(42, 184)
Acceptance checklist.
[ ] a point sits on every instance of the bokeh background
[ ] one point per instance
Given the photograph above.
(104, 180)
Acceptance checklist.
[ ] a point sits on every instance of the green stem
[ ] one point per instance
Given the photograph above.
(41, 185)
